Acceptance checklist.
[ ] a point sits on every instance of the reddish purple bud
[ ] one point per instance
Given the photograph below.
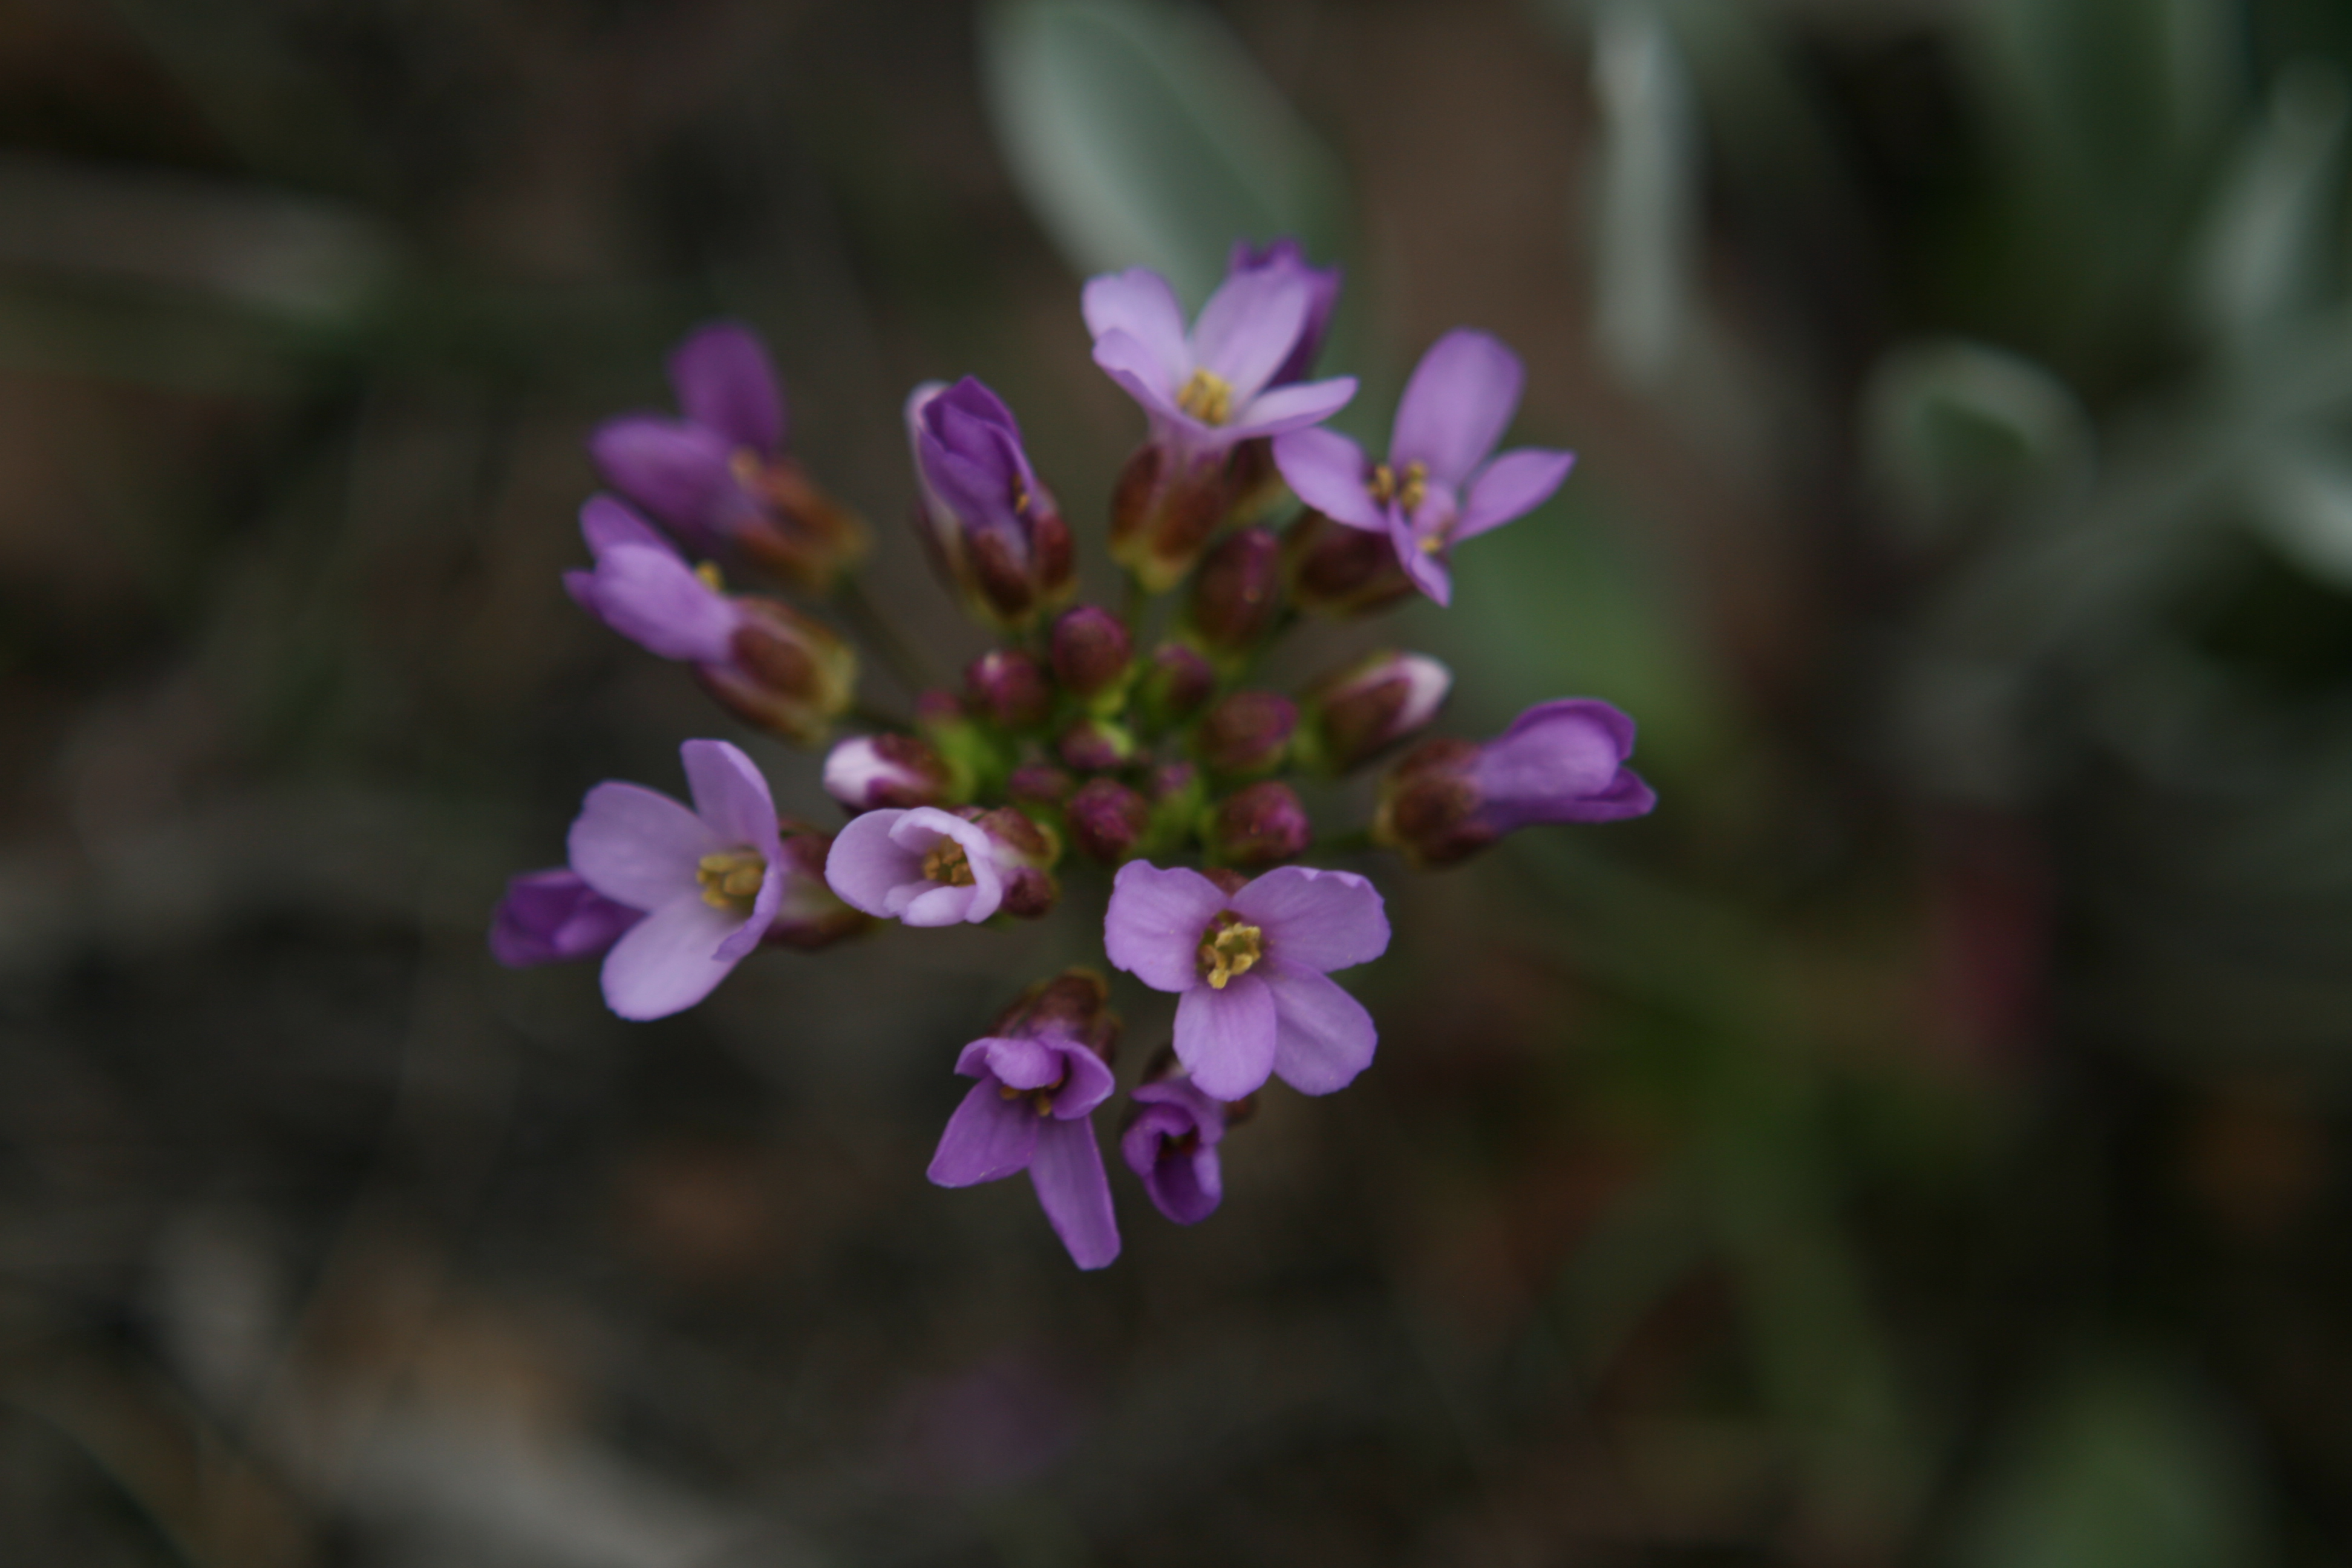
(1246, 733)
(1337, 571)
(868, 771)
(1040, 785)
(1096, 745)
(1025, 852)
(1106, 820)
(787, 673)
(1559, 762)
(1350, 715)
(1174, 684)
(1093, 653)
(1236, 592)
(1162, 514)
(1260, 826)
(1009, 688)
(1074, 1006)
(812, 915)
(801, 533)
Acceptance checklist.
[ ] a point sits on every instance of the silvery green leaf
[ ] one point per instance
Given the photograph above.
(1950, 428)
(2301, 501)
(2259, 262)
(1648, 183)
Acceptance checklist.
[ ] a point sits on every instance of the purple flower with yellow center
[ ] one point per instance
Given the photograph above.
(1559, 762)
(1041, 1076)
(710, 880)
(1286, 255)
(923, 866)
(999, 538)
(1172, 1145)
(1251, 966)
(1438, 487)
(721, 476)
(553, 917)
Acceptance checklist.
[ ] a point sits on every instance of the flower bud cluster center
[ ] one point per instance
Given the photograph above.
(1229, 948)
(947, 863)
(730, 879)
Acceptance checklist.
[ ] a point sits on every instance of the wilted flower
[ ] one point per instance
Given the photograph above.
(553, 917)
(1437, 487)
(1348, 718)
(999, 538)
(1559, 762)
(1172, 1145)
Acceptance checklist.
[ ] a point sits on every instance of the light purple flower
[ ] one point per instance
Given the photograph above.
(1213, 386)
(1286, 255)
(553, 917)
(698, 474)
(710, 880)
(923, 866)
(1000, 537)
(1172, 1145)
(1030, 1110)
(1251, 968)
(1437, 487)
(1559, 762)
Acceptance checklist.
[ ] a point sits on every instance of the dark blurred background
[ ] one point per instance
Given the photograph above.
(1921, 1143)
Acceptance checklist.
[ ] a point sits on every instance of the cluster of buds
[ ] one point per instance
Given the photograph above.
(1137, 744)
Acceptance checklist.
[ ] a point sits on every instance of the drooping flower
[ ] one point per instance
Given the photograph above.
(720, 477)
(1438, 487)
(1172, 1145)
(1041, 1073)
(1285, 255)
(931, 868)
(710, 880)
(765, 661)
(553, 917)
(1559, 762)
(1251, 967)
(998, 536)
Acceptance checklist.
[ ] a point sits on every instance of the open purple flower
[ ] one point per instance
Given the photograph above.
(1437, 487)
(923, 866)
(1251, 969)
(710, 880)
(1559, 762)
(1286, 255)
(999, 536)
(1214, 385)
(553, 917)
(1172, 1145)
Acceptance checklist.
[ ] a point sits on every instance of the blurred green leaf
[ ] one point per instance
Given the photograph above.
(2302, 501)
(2261, 259)
(1952, 427)
(1649, 192)
(1142, 134)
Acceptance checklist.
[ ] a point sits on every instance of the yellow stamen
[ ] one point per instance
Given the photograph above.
(1208, 397)
(730, 879)
(1230, 948)
(948, 863)
(1043, 1098)
(709, 573)
(1408, 490)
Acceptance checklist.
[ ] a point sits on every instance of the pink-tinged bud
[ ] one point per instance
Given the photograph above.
(1096, 745)
(788, 673)
(1025, 852)
(1236, 593)
(1073, 1006)
(1011, 689)
(993, 528)
(1040, 785)
(812, 915)
(1559, 762)
(1259, 826)
(869, 771)
(1350, 715)
(1247, 734)
(1108, 820)
(1337, 571)
(1093, 654)
(1163, 513)
(1174, 686)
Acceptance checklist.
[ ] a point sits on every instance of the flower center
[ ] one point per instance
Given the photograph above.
(708, 575)
(730, 879)
(1408, 490)
(947, 863)
(1229, 948)
(1207, 396)
(1043, 1098)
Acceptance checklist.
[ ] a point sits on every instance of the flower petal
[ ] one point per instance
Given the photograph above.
(652, 597)
(1087, 1082)
(607, 521)
(1425, 569)
(865, 864)
(1315, 920)
(1291, 407)
(1153, 929)
(1511, 486)
(1457, 404)
(1132, 365)
(675, 471)
(773, 884)
(639, 846)
(1323, 1037)
(1140, 305)
(725, 380)
(1226, 1038)
(731, 795)
(1013, 1061)
(1328, 470)
(1249, 326)
(1068, 1173)
(668, 961)
(942, 905)
(987, 1139)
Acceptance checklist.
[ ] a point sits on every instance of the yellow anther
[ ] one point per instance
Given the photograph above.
(1408, 490)
(948, 863)
(1229, 948)
(1207, 396)
(730, 879)
(709, 573)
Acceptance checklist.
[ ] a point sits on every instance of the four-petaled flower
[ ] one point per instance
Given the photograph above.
(1251, 966)
(1030, 1112)
(922, 866)
(1437, 487)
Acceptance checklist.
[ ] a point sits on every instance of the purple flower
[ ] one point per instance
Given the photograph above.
(1251, 969)
(923, 866)
(710, 880)
(552, 917)
(1286, 255)
(1437, 488)
(1559, 762)
(1172, 1145)
(999, 538)
(1213, 386)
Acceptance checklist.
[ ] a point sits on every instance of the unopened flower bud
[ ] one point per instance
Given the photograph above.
(1177, 796)
(1106, 820)
(786, 672)
(801, 533)
(1246, 733)
(1009, 688)
(1025, 852)
(812, 915)
(1174, 686)
(1259, 826)
(1163, 513)
(1093, 654)
(1348, 716)
(553, 917)
(1559, 762)
(1096, 745)
(1074, 1006)
(1040, 785)
(1337, 571)
(868, 771)
(994, 530)
(1235, 593)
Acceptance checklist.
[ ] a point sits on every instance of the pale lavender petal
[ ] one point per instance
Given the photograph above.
(1226, 1038)
(987, 1139)
(607, 522)
(1132, 365)
(918, 831)
(1457, 404)
(866, 864)
(725, 380)
(1153, 927)
(1512, 486)
(1426, 572)
(1290, 408)
(1562, 762)
(1013, 1061)
(1327, 471)
(1067, 1172)
(731, 795)
(1323, 1036)
(1315, 920)
(675, 471)
(1140, 305)
(668, 961)
(938, 905)
(1249, 326)
(653, 598)
(775, 882)
(637, 846)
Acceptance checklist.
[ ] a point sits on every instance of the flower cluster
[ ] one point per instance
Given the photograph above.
(1130, 743)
